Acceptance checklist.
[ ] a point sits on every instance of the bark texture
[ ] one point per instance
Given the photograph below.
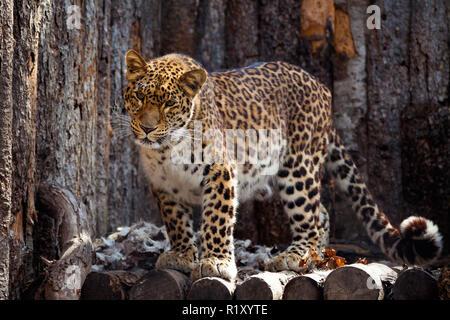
(6, 70)
(408, 110)
(62, 120)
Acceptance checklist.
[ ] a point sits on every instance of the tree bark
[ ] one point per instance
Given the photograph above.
(6, 116)
(350, 108)
(210, 34)
(390, 43)
(241, 36)
(26, 33)
(178, 26)
(129, 197)
(425, 123)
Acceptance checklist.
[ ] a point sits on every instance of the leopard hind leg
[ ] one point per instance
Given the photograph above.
(299, 185)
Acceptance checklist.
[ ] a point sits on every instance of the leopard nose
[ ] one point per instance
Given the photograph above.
(147, 130)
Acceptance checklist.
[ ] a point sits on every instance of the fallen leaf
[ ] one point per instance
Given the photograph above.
(362, 260)
(330, 252)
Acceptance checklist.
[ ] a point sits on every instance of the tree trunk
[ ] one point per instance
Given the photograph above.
(425, 123)
(6, 116)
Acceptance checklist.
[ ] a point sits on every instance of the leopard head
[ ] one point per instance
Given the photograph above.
(159, 96)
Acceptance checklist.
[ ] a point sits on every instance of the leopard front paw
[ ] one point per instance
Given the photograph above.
(183, 261)
(214, 267)
(285, 261)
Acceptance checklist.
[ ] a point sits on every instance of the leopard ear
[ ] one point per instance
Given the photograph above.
(135, 64)
(192, 81)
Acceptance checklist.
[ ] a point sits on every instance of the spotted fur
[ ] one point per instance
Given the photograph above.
(168, 95)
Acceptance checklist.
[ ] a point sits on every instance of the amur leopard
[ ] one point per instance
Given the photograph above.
(280, 118)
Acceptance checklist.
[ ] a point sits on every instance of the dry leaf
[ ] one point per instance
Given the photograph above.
(329, 252)
(325, 261)
(339, 261)
(362, 260)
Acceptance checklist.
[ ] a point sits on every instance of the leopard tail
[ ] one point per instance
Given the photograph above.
(416, 242)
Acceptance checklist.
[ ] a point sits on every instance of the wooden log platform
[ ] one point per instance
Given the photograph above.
(306, 287)
(359, 282)
(415, 284)
(264, 286)
(211, 288)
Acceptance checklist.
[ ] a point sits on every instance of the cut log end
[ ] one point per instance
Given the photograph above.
(264, 286)
(415, 284)
(303, 288)
(254, 289)
(211, 288)
(102, 286)
(109, 285)
(161, 284)
(358, 282)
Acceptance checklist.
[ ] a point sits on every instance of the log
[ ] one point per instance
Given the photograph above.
(161, 284)
(65, 276)
(109, 285)
(306, 287)
(444, 284)
(211, 288)
(415, 284)
(264, 286)
(359, 282)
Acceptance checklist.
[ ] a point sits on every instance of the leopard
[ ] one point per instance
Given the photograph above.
(274, 112)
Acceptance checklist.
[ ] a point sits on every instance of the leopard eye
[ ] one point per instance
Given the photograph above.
(140, 95)
(170, 103)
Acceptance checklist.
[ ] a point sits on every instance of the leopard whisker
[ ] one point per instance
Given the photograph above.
(183, 133)
(186, 136)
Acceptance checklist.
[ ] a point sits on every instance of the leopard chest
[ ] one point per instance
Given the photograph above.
(182, 181)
